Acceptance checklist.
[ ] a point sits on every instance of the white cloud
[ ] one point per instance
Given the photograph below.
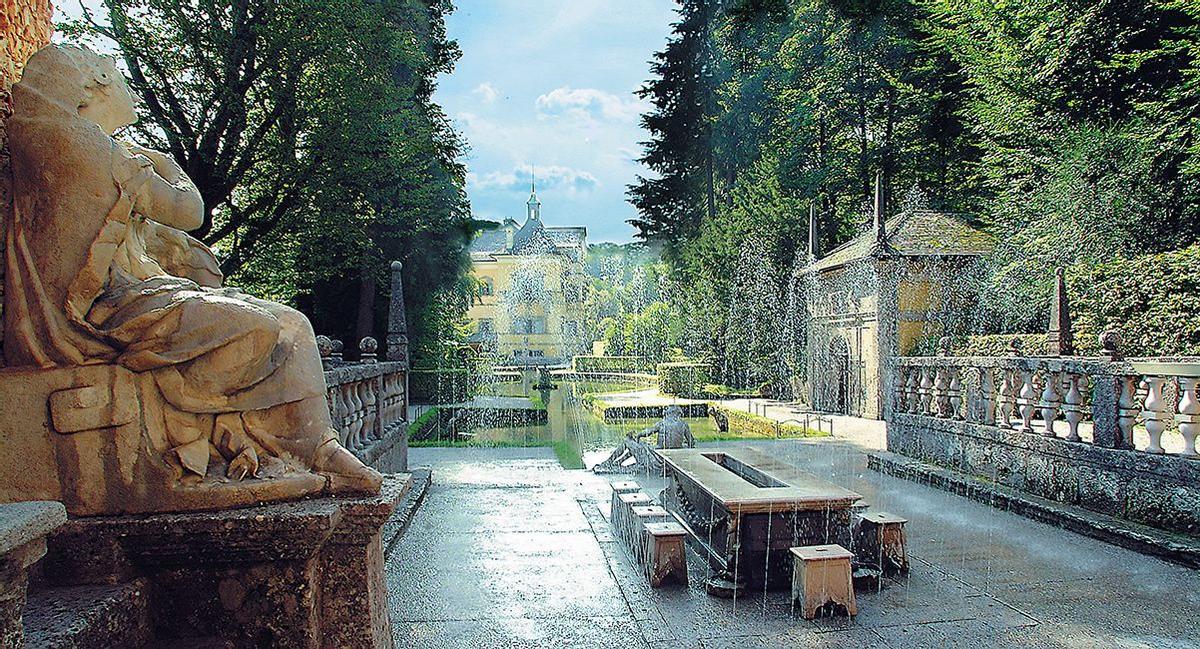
(574, 181)
(590, 103)
(486, 92)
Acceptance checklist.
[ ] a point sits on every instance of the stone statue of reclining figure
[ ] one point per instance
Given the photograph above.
(99, 271)
(672, 431)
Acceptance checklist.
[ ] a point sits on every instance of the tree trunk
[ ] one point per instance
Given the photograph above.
(366, 307)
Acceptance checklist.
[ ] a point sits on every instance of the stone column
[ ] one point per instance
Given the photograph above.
(397, 324)
(1107, 388)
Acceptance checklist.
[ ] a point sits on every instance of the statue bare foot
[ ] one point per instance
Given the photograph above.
(346, 473)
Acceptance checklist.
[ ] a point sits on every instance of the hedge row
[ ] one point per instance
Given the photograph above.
(611, 364)
(454, 385)
(998, 345)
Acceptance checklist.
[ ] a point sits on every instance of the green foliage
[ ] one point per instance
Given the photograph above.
(447, 385)
(423, 427)
(567, 454)
(612, 364)
(309, 129)
(989, 345)
(1150, 299)
(745, 424)
(685, 379)
(1068, 128)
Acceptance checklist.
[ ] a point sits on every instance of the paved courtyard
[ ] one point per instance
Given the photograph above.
(510, 550)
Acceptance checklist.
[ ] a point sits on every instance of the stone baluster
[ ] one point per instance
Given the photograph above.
(941, 390)
(926, 390)
(370, 401)
(1008, 394)
(902, 390)
(914, 390)
(1073, 404)
(354, 434)
(1027, 399)
(1051, 401)
(1155, 411)
(1127, 410)
(341, 414)
(987, 396)
(1189, 413)
(331, 400)
(955, 391)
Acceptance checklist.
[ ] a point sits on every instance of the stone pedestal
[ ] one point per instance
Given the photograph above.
(23, 530)
(306, 574)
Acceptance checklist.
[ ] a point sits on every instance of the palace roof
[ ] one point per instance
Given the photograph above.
(532, 238)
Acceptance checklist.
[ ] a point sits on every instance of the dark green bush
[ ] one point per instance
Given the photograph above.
(612, 364)
(451, 385)
(683, 379)
(1153, 300)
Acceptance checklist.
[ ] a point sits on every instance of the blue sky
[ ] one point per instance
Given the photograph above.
(549, 84)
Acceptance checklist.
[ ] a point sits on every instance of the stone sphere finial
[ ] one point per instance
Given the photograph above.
(1014, 346)
(337, 346)
(368, 346)
(1111, 342)
(396, 265)
(944, 345)
(324, 346)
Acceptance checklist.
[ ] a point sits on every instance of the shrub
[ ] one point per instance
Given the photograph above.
(683, 379)
(996, 345)
(1150, 299)
(611, 364)
(738, 422)
(451, 385)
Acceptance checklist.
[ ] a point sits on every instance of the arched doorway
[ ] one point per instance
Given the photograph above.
(839, 373)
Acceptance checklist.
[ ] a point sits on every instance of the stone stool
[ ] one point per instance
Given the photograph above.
(622, 514)
(618, 488)
(665, 557)
(881, 538)
(640, 516)
(624, 486)
(820, 575)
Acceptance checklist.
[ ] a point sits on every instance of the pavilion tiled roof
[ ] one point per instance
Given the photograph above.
(921, 233)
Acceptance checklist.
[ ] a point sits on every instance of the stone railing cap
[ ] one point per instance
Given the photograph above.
(23, 522)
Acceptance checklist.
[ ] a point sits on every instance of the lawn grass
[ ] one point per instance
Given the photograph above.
(568, 456)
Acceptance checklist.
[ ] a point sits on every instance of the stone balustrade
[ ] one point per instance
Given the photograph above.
(368, 401)
(1096, 401)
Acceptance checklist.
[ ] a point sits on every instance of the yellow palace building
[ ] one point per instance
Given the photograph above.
(528, 309)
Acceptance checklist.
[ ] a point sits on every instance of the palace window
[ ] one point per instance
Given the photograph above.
(529, 326)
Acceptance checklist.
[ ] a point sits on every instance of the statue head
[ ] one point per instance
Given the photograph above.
(673, 412)
(79, 80)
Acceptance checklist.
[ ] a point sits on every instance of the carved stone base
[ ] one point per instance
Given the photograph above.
(301, 574)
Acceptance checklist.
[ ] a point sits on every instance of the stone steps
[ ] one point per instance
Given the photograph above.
(88, 617)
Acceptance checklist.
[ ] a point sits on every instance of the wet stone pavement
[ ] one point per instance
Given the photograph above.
(510, 550)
